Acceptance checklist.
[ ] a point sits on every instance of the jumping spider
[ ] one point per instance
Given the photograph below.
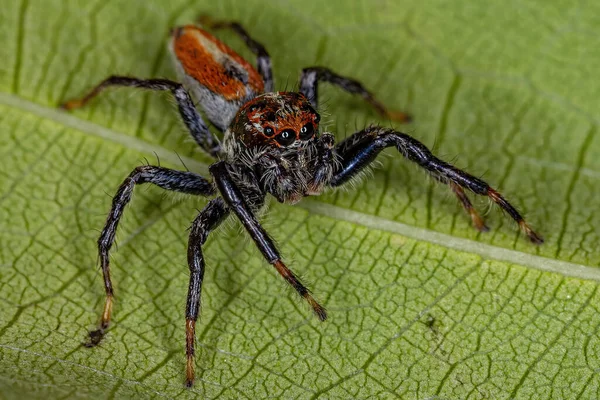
(271, 145)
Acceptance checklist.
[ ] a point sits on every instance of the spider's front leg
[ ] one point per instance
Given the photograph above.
(190, 116)
(309, 87)
(237, 203)
(168, 179)
(362, 148)
(207, 220)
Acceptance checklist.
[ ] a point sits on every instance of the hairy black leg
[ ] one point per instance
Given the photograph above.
(362, 148)
(310, 78)
(263, 60)
(168, 179)
(190, 116)
(207, 220)
(236, 203)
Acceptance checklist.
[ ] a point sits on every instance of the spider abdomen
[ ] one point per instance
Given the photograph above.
(220, 79)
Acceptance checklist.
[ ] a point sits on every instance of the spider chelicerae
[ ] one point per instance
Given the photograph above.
(271, 145)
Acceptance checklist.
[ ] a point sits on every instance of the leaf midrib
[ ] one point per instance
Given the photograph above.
(565, 268)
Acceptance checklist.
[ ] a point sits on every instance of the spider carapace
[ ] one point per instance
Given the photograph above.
(271, 144)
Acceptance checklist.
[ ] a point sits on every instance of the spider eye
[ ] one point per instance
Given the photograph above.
(269, 131)
(307, 131)
(286, 137)
(317, 118)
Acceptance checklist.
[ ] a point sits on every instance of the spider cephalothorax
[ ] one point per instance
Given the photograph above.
(276, 135)
(271, 145)
(280, 119)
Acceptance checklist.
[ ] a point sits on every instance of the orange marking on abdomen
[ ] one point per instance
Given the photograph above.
(202, 55)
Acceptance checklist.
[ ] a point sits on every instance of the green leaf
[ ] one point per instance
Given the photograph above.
(420, 304)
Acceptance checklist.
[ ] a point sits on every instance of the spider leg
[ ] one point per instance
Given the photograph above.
(478, 222)
(263, 60)
(168, 179)
(360, 149)
(190, 116)
(237, 203)
(207, 220)
(310, 78)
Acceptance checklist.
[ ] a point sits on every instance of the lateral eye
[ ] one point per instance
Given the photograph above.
(307, 131)
(269, 131)
(286, 137)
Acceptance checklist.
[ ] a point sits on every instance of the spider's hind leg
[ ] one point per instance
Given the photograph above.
(309, 82)
(263, 60)
(190, 116)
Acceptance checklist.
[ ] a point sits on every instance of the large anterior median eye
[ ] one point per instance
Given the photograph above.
(307, 131)
(286, 137)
